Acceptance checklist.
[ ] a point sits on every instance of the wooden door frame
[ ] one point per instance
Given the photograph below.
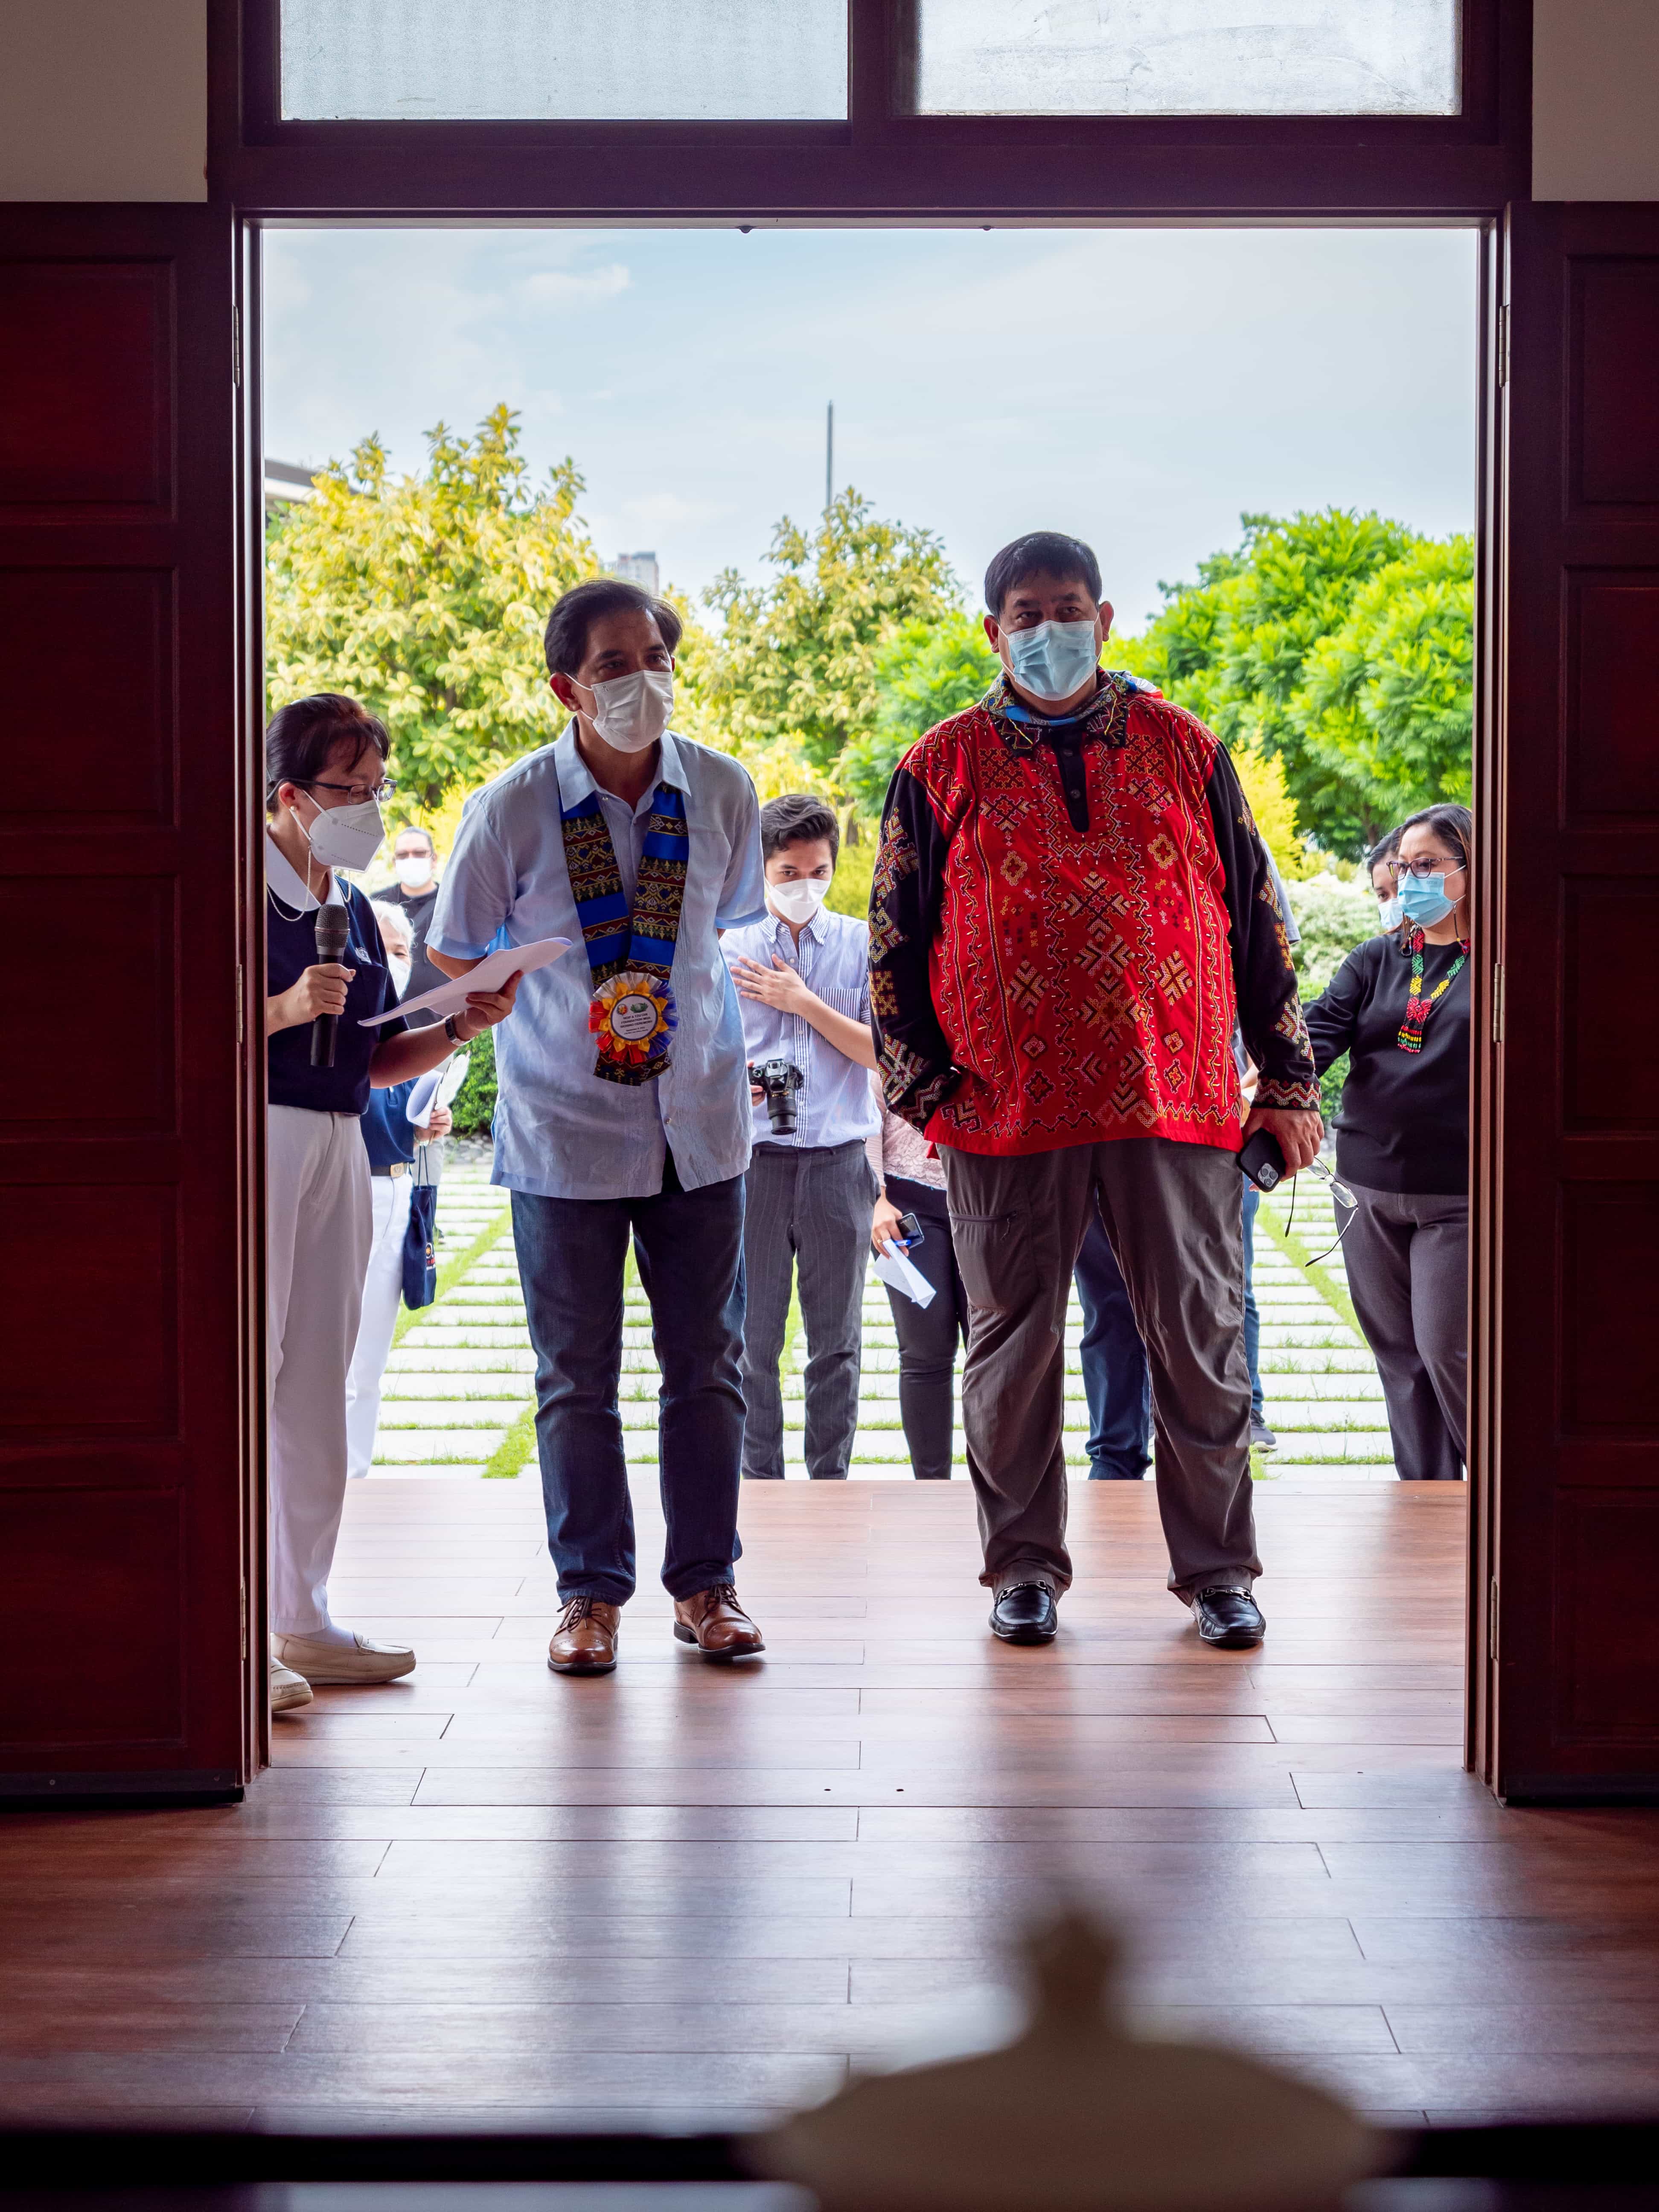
(882, 167)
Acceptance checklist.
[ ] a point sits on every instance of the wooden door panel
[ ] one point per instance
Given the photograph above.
(1576, 1544)
(125, 1445)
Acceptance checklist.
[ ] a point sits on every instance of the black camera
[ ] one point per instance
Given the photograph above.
(778, 1080)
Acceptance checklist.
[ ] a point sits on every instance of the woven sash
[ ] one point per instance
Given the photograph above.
(632, 1014)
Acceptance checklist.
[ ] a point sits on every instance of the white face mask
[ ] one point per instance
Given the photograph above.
(799, 901)
(414, 872)
(346, 837)
(632, 712)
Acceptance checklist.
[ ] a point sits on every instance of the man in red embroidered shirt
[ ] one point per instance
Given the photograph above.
(1072, 914)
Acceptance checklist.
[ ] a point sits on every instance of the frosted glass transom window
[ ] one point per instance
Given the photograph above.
(546, 60)
(1187, 57)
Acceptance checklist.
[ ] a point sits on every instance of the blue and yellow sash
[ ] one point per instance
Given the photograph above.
(632, 1013)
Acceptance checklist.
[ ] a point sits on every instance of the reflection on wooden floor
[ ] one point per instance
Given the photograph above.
(685, 1896)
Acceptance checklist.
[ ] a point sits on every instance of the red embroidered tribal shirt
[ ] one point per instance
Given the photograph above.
(1068, 920)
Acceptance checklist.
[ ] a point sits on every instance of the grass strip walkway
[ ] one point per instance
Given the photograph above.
(452, 1271)
(1330, 1287)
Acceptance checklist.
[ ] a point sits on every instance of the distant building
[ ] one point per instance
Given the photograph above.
(284, 484)
(639, 569)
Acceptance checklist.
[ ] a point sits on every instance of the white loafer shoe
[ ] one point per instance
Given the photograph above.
(365, 1660)
(287, 1689)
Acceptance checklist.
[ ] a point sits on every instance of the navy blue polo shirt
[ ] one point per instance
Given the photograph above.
(386, 1128)
(290, 948)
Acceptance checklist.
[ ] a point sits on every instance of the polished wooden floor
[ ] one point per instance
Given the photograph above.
(685, 1896)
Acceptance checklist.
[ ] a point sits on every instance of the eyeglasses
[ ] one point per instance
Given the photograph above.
(1439, 865)
(356, 793)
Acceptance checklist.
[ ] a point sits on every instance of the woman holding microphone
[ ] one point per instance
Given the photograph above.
(325, 778)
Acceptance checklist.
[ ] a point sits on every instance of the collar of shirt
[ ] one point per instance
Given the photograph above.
(1105, 716)
(285, 880)
(576, 779)
(817, 929)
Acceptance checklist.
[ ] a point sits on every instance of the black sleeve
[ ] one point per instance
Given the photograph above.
(1334, 1016)
(1264, 974)
(913, 1058)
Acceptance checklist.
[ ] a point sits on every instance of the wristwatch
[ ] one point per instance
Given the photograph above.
(450, 1031)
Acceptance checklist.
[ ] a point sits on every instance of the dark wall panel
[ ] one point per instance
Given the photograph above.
(91, 1346)
(89, 657)
(1613, 706)
(112, 1065)
(88, 418)
(1609, 1376)
(1617, 423)
(1610, 1003)
(89, 1661)
(1612, 1540)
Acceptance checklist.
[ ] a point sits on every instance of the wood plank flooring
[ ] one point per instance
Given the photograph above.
(686, 1896)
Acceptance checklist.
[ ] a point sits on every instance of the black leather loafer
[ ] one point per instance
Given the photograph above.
(1228, 1618)
(1026, 1613)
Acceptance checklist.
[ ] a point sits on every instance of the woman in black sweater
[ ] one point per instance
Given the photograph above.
(1399, 1006)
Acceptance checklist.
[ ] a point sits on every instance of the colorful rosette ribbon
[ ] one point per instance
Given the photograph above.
(633, 1017)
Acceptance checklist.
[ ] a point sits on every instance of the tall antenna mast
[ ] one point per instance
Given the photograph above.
(830, 458)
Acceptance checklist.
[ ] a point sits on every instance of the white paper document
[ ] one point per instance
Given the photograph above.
(436, 1088)
(893, 1268)
(491, 972)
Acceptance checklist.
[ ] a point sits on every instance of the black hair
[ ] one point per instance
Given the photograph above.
(565, 641)
(798, 819)
(1041, 553)
(416, 829)
(1453, 822)
(300, 736)
(1384, 849)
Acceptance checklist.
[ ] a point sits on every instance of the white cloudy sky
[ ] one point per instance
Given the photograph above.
(1139, 388)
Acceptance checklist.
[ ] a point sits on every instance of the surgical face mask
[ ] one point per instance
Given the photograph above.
(1422, 899)
(1053, 660)
(346, 837)
(414, 871)
(631, 712)
(799, 901)
(1389, 911)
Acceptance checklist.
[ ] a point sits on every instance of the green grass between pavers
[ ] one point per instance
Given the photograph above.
(451, 1272)
(1329, 1286)
(517, 1446)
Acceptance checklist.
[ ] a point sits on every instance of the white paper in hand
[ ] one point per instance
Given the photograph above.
(491, 972)
(436, 1089)
(893, 1268)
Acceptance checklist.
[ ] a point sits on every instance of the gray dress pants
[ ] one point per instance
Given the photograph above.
(806, 1209)
(1173, 1214)
(1408, 1259)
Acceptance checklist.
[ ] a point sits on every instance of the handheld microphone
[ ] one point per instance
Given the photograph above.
(333, 934)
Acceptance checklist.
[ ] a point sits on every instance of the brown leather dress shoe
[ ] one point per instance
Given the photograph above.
(714, 1621)
(585, 1641)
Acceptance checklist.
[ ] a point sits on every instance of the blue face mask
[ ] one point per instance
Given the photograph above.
(1389, 912)
(1422, 899)
(1053, 660)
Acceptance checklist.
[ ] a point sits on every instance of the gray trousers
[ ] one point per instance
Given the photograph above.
(1173, 1214)
(808, 1209)
(1408, 1259)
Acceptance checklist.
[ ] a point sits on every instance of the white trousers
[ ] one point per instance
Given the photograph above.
(318, 1226)
(383, 1291)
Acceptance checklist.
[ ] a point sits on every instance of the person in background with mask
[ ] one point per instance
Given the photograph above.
(1399, 1006)
(1070, 912)
(415, 863)
(804, 977)
(394, 935)
(622, 1113)
(1379, 865)
(325, 778)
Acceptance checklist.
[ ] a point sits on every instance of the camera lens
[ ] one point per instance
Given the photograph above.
(780, 1109)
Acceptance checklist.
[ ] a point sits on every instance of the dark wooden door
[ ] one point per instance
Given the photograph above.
(1575, 1681)
(125, 1444)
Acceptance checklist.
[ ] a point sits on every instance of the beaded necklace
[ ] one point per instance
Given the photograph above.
(1418, 1008)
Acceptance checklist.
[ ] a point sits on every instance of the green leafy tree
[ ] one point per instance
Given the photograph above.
(425, 598)
(930, 669)
(1247, 647)
(794, 666)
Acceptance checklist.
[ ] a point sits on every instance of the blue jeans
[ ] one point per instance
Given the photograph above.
(1116, 1380)
(571, 1254)
(1252, 1318)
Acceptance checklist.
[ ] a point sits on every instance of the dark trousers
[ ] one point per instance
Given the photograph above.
(1116, 1380)
(1172, 1212)
(807, 1213)
(928, 1335)
(1252, 1313)
(571, 1256)
(1409, 1276)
